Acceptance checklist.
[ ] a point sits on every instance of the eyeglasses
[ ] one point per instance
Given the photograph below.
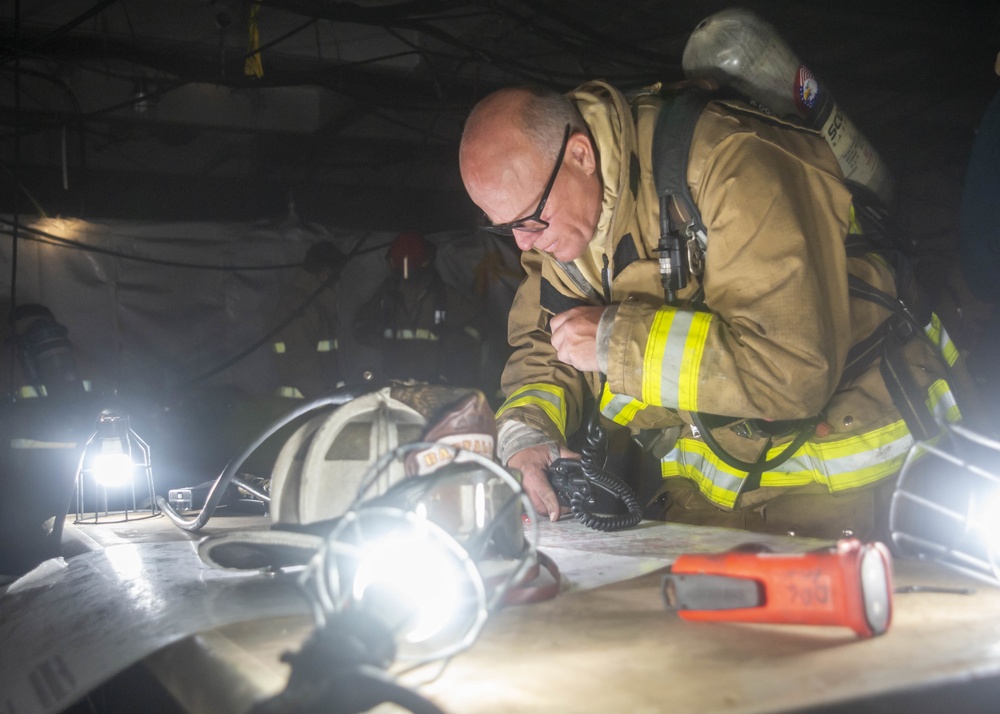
(534, 222)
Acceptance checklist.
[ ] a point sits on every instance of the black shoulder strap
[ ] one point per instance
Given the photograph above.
(672, 147)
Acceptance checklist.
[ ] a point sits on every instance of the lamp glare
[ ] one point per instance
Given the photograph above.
(410, 581)
(113, 470)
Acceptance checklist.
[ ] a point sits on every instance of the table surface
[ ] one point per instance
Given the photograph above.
(606, 642)
(137, 592)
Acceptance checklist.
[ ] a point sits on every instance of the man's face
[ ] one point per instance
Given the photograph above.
(572, 207)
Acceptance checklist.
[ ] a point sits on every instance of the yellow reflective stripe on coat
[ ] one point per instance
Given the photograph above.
(407, 334)
(289, 393)
(940, 337)
(673, 356)
(547, 397)
(853, 227)
(620, 408)
(942, 403)
(839, 465)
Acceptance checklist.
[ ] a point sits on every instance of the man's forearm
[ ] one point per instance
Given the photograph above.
(513, 436)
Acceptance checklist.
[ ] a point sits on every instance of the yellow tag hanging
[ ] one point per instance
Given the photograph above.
(253, 67)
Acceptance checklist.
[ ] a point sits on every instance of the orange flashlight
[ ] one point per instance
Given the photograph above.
(848, 584)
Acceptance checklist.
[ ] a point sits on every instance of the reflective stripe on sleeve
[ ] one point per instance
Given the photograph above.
(620, 408)
(940, 337)
(942, 403)
(547, 397)
(673, 356)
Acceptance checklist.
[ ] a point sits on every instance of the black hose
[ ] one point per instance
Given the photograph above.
(337, 398)
(806, 430)
(371, 684)
(257, 493)
(340, 669)
(348, 690)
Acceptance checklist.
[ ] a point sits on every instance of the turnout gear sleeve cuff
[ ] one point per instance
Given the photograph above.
(514, 436)
(604, 329)
(655, 354)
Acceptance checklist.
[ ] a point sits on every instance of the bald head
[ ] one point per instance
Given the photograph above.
(502, 149)
(508, 153)
(539, 114)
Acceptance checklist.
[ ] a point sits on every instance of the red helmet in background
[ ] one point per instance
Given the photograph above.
(410, 251)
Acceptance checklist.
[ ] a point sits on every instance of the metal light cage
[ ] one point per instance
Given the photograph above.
(946, 505)
(93, 500)
(326, 579)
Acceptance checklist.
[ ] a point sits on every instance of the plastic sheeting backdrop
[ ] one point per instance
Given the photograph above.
(152, 307)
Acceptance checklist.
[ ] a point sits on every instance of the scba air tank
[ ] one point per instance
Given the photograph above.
(737, 49)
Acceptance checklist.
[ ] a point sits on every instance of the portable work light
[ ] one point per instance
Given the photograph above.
(946, 506)
(403, 548)
(422, 557)
(115, 468)
(409, 574)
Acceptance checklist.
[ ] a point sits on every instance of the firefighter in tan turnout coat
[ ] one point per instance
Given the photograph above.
(762, 336)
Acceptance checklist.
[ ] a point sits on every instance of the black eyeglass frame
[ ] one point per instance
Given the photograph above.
(507, 229)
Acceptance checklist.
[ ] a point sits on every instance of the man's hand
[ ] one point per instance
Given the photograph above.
(574, 337)
(532, 463)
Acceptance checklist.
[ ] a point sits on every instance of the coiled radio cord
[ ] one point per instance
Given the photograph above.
(573, 483)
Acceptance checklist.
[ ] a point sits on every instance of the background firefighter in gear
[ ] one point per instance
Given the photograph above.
(424, 329)
(761, 336)
(306, 350)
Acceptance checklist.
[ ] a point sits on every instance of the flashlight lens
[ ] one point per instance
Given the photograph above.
(875, 590)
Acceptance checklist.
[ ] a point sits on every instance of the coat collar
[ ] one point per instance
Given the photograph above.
(612, 129)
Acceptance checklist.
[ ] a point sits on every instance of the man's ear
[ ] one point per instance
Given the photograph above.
(580, 151)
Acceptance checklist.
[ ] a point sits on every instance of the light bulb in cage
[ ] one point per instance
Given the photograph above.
(111, 461)
(115, 472)
(984, 517)
(112, 465)
(946, 505)
(430, 557)
(407, 578)
(407, 572)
